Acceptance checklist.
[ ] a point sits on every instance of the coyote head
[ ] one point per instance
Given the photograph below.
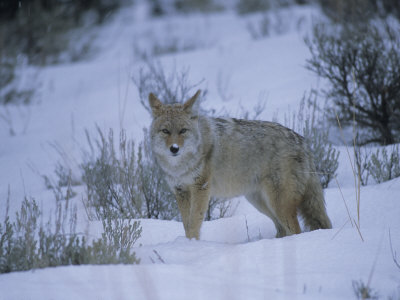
(174, 130)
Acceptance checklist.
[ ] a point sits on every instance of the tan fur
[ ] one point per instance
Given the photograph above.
(224, 157)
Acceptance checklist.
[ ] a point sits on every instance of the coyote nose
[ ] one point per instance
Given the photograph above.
(174, 148)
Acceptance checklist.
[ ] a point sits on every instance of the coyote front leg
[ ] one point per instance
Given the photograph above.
(200, 197)
(183, 200)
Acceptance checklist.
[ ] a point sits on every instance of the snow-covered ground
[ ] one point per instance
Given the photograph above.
(237, 257)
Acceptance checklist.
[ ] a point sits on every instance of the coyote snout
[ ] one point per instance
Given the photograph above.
(174, 149)
(269, 164)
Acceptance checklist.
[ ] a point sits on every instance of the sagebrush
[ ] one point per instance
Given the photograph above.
(27, 243)
(308, 122)
(122, 180)
(384, 164)
(172, 87)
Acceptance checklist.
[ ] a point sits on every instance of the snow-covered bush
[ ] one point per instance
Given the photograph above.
(115, 244)
(348, 10)
(109, 175)
(172, 87)
(384, 165)
(361, 160)
(163, 7)
(273, 22)
(307, 122)
(40, 29)
(325, 155)
(251, 6)
(220, 208)
(124, 182)
(10, 93)
(260, 29)
(187, 6)
(27, 243)
(41, 32)
(172, 39)
(358, 11)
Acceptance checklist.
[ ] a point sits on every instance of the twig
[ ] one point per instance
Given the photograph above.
(357, 185)
(374, 264)
(341, 228)
(359, 230)
(8, 202)
(344, 201)
(394, 254)
(159, 256)
(247, 229)
(357, 179)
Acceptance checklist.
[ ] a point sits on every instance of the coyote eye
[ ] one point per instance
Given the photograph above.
(183, 131)
(166, 131)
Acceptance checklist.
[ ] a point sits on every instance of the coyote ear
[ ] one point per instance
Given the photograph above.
(188, 105)
(155, 104)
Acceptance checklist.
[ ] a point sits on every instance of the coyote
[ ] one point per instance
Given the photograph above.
(266, 162)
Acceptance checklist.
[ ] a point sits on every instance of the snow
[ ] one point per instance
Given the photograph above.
(237, 257)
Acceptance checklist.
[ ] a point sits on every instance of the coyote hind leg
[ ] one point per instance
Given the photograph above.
(262, 203)
(283, 204)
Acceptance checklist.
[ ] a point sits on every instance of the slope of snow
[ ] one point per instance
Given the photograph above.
(313, 265)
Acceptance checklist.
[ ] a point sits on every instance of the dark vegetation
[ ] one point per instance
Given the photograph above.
(358, 53)
(362, 65)
(42, 32)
